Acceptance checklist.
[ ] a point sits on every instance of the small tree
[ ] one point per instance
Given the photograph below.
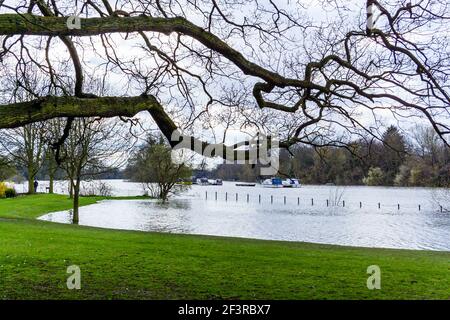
(26, 148)
(402, 177)
(153, 166)
(374, 177)
(93, 147)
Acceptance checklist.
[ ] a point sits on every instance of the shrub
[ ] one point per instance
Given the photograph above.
(3, 188)
(96, 188)
(10, 193)
(374, 177)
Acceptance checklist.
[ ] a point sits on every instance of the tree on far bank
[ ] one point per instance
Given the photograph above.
(7, 170)
(393, 153)
(375, 177)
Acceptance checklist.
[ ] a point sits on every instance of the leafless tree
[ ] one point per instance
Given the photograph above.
(53, 131)
(315, 82)
(93, 146)
(26, 148)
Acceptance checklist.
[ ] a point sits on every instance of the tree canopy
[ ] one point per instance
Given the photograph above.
(277, 65)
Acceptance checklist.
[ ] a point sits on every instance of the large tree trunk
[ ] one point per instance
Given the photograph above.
(51, 174)
(18, 114)
(31, 185)
(76, 202)
(71, 189)
(51, 184)
(31, 182)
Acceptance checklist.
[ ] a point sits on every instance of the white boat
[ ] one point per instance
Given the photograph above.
(215, 182)
(202, 181)
(272, 183)
(291, 183)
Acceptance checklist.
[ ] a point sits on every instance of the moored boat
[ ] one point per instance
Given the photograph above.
(291, 183)
(202, 181)
(215, 182)
(272, 183)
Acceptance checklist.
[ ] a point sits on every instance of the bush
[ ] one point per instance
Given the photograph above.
(374, 177)
(96, 188)
(10, 193)
(3, 188)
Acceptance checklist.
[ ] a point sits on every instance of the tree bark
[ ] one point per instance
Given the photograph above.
(31, 184)
(71, 189)
(76, 202)
(51, 183)
(51, 173)
(19, 114)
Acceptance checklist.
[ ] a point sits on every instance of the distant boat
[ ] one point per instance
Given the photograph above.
(291, 183)
(272, 183)
(215, 182)
(202, 181)
(245, 184)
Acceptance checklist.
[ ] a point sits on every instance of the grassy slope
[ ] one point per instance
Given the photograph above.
(34, 256)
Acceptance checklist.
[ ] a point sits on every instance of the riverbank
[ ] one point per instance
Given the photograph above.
(34, 256)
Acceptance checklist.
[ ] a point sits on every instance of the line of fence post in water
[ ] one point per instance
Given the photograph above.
(419, 206)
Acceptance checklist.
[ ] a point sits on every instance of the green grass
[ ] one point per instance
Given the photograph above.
(33, 206)
(34, 256)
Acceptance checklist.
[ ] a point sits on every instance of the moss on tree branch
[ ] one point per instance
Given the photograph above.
(18, 114)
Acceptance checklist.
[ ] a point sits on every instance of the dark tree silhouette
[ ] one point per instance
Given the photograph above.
(279, 69)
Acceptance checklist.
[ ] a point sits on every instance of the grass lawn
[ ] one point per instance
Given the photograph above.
(34, 256)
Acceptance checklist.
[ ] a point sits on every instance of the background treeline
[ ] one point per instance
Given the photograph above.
(419, 160)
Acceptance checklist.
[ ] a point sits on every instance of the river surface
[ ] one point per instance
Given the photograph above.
(384, 217)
